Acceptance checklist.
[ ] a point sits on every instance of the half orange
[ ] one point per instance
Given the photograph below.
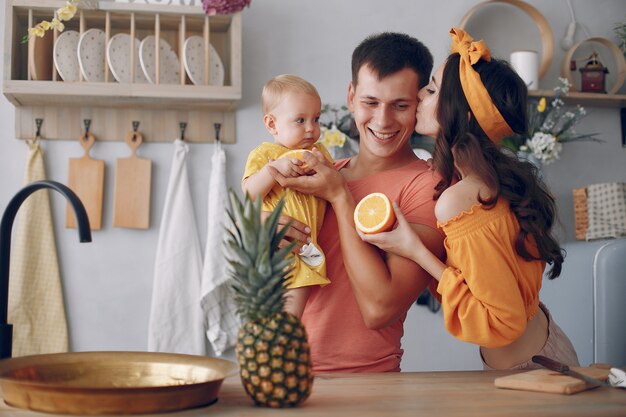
(374, 214)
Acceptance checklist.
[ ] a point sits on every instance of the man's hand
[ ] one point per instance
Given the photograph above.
(297, 231)
(325, 182)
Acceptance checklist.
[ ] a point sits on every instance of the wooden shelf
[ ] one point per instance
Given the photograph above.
(585, 99)
(162, 105)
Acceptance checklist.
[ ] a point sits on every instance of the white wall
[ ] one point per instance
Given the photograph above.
(107, 283)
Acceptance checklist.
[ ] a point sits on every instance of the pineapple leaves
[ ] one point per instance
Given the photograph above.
(258, 267)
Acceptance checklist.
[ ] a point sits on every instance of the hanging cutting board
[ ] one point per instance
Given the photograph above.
(86, 179)
(131, 206)
(544, 380)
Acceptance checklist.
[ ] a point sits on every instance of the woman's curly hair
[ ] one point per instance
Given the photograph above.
(462, 140)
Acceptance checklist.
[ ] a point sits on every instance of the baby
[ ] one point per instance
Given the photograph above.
(291, 108)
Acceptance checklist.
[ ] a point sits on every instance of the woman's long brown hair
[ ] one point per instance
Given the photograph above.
(462, 140)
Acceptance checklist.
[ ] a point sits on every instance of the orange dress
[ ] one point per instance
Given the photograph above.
(488, 292)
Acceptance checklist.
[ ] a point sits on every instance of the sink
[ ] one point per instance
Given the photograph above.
(112, 382)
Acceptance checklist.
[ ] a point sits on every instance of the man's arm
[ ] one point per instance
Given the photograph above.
(384, 289)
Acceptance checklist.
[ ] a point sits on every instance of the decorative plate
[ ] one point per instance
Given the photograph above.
(98, 383)
(65, 57)
(169, 64)
(193, 58)
(118, 57)
(91, 55)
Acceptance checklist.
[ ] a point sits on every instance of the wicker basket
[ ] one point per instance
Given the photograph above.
(581, 219)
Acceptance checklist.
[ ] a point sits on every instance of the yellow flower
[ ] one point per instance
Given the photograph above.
(57, 24)
(38, 31)
(64, 13)
(67, 12)
(541, 107)
(332, 137)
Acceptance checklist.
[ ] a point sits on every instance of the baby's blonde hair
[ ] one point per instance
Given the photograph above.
(275, 88)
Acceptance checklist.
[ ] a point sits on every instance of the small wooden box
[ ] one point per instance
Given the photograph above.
(581, 219)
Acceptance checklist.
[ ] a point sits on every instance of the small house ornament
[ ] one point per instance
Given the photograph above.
(593, 75)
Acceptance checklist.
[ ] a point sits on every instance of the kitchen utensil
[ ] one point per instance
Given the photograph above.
(193, 58)
(169, 66)
(91, 55)
(553, 365)
(118, 57)
(65, 55)
(86, 179)
(40, 56)
(112, 382)
(131, 206)
(545, 380)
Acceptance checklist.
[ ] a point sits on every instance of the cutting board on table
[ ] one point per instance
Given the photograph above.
(86, 179)
(133, 176)
(544, 380)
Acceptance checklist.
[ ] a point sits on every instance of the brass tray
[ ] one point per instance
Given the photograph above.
(112, 382)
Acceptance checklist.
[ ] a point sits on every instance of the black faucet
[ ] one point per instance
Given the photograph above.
(84, 234)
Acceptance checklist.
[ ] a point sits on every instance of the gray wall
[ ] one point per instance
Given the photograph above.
(108, 282)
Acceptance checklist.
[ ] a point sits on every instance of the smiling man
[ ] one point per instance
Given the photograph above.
(355, 324)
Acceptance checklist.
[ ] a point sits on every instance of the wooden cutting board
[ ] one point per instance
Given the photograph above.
(544, 380)
(86, 179)
(133, 176)
(40, 56)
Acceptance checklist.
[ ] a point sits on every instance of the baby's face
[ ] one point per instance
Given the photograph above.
(296, 120)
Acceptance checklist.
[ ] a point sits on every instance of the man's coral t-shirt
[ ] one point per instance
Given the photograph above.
(339, 339)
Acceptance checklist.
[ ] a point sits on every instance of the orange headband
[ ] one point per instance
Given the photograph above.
(478, 98)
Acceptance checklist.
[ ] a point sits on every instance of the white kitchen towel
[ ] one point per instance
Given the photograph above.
(176, 323)
(221, 319)
(36, 307)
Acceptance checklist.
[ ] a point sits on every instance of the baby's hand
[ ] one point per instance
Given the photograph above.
(289, 167)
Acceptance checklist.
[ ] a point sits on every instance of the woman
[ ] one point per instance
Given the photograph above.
(496, 214)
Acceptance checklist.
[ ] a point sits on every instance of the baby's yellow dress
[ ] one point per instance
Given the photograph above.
(310, 263)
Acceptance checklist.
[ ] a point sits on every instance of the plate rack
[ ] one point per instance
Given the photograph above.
(111, 105)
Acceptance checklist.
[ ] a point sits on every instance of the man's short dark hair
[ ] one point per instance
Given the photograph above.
(388, 52)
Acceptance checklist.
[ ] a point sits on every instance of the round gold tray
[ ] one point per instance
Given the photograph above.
(112, 382)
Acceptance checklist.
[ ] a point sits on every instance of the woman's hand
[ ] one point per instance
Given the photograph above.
(298, 231)
(325, 182)
(402, 240)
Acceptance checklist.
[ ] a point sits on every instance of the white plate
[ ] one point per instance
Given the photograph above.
(169, 65)
(91, 55)
(65, 57)
(118, 57)
(193, 58)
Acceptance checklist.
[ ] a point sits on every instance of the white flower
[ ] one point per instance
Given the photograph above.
(544, 147)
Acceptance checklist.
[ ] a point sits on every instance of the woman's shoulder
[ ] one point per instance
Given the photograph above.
(458, 198)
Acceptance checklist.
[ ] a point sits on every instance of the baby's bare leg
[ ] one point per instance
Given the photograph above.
(295, 299)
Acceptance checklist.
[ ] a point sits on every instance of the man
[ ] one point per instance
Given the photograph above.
(355, 324)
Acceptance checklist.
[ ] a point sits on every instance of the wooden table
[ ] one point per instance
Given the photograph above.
(429, 394)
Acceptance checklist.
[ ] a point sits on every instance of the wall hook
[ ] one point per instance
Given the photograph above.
(183, 126)
(217, 127)
(135, 127)
(87, 123)
(38, 123)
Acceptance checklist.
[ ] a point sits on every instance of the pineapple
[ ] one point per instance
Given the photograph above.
(272, 348)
